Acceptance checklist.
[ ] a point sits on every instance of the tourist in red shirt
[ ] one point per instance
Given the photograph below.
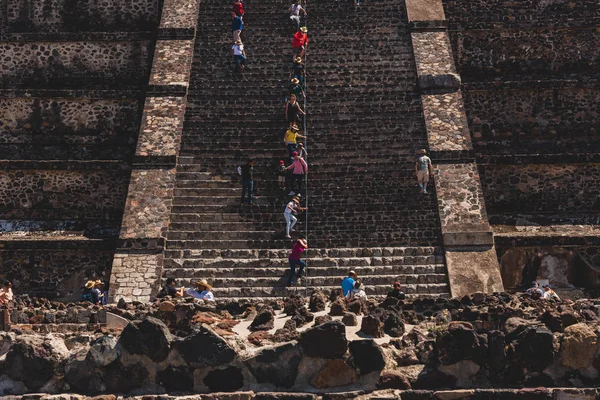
(299, 247)
(238, 8)
(299, 42)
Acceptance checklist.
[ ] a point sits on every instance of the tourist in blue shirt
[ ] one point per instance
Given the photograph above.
(236, 27)
(348, 282)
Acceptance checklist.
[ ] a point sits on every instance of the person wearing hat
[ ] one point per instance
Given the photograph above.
(348, 282)
(423, 170)
(293, 110)
(295, 10)
(298, 70)
(301, 151)
(99, 295)
(236, 26)
(239, 54)
(296, 88)
(299, 170)
(290, 138)
(281, 175)
(290, 212)
(201, 290)
(300, 42)
(294, 258)
(535, 290)
(550, 294)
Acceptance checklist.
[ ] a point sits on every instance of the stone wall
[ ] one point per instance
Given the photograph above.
(55, 273)
(75, 63)
(77, 15)
(68, 127)
(565, 188)
(60, 194)
(533, 118)
(517, 54)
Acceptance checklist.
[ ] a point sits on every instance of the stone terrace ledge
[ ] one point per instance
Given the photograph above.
(138, 261)
(467, 236)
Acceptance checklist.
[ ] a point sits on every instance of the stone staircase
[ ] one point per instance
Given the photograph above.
(365, 212)
(73, 82)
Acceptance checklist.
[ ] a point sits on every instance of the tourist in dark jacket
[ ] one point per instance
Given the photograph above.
(170, 290)
(396, 292)
(293, 111)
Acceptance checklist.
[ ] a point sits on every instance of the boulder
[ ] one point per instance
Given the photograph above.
(317, 302)
(393, 325)
(553, 320)
(121, 379)
(366, 356)
(257, 338)
(439, 81)
(302, 317)
(530, 347)
(338, 307)
(203, 348)
(177, 379)
(496, 351)
(357, 306)
(325, 341)
(229, 379)
(323, 319)
(103, 351)
(82, 375)
(372, 326)
(578, 346)
(461, 343)
(392, 380)
(292, 304)
(149, 337)
(34, 360)
(335, 373)
(350, 319)
(276, 365)
(463, 371)
(263, 321)
(166, 306)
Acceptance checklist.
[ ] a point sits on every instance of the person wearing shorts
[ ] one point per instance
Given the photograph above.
(423, 170)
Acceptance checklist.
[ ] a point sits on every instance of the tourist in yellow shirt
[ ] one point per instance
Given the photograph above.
(290, 137)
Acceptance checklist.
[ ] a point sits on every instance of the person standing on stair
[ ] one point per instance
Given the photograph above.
(423, 170)
(298, 71)
(281, 175)
(290, 137)
(238, 8)
(236, 27)
(296, 88)
(300, 42)
(295, 10)
(290, 212)
(246, 171)
(239, 54)
(293, 111)
(299, 170)
(302, 151)
(294, 258)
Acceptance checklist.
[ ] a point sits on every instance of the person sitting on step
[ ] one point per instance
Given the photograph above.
(535, 291)
(356, 292)
(298, 248)
(348, 282)
(99, 294)
(201, 290)
(550, 294)
(396, 292)
(170, 290)
(6, 293)
(300, 42)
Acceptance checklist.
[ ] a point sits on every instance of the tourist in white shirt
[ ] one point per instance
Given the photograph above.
(239, 54)
(201, 290)
(295, 10)
(357, 292)
(550, 294)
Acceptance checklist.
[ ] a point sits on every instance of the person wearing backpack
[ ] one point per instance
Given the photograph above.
(246, 171)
